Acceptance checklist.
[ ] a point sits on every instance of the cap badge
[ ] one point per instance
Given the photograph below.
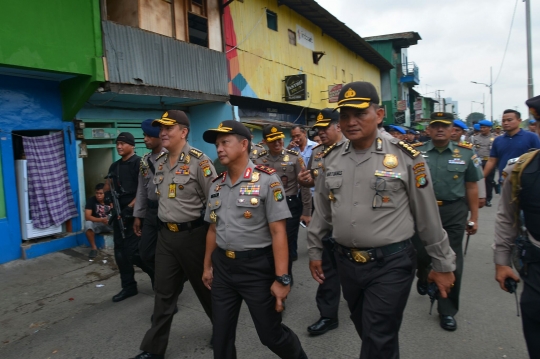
(165, 115)
(440, 114)
(350, 93)
(273, 130)
(320, 117)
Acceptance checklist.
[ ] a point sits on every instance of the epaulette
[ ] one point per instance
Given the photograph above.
(265, 169)
(262, 153)
(196, 153)
(468, 146)
(408, 149)
(330, 148)
(219, 176)
(418, 144)
(258, 145)
(293, 152)
(163, 153)
(319, 145)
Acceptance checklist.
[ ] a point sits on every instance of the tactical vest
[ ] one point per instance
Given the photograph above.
(526, 190)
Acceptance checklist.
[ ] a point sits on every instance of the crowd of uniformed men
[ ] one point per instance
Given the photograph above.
(385, 207)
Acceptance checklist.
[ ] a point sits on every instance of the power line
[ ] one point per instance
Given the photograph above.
(507, 42)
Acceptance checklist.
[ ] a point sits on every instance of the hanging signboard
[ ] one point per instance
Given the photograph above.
(402, 105)
(333, 93)
(295, 88)
(305, 38)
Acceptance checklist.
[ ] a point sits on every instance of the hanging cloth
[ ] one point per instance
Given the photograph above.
(49, 193)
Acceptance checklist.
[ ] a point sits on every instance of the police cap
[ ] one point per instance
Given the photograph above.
(442, 117)
(397, 128)
(326, 117)
(148, 129)
(486, 123)
(272, 133)
(359, 94)
(476, 127)
(460, 124)
(171, 118)
(229, 127)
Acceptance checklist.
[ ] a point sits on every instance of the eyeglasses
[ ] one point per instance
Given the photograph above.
(380, 185)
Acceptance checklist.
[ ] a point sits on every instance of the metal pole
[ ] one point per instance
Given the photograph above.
(484, 103)
(491, 90)
(530, 85)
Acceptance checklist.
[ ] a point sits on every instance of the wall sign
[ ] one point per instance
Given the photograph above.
(295, 88)
(333, 93)
(305, 38)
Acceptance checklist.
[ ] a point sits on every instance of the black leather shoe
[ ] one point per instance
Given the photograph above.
(488, 204)
(421, 287)
(124, 294)
(322, 326)
(146, 355)
(152, 316)
(448, 322)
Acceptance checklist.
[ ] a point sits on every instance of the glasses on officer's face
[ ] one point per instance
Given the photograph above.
(380, 185)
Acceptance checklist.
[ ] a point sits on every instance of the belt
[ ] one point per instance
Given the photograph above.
(152, 204)
(486, 158)
(294, 196)
(245, 254)
(187, 226)
(359, 255)
(444, 203)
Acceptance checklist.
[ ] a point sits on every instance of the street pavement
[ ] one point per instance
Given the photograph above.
(59, 306)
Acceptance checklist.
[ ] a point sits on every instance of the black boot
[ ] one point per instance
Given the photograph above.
(124, 294)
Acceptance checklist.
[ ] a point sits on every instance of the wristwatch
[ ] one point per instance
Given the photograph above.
(284, 279)
(471, 224)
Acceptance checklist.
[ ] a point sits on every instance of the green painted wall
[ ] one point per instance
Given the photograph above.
(61, 36)
(386, 49)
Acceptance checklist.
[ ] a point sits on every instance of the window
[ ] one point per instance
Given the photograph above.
(292, 37)
(197, 7)
(198, 30)
(271, 20)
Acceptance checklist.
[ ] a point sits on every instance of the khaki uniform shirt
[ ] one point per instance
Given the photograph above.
(146, 189)
(451, 168)
(182, 188)
(242, 211)
(376, 200)
(288, 165)
(255, 150)
(482, 145)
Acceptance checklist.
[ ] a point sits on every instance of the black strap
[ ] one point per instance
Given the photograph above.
(151, 166)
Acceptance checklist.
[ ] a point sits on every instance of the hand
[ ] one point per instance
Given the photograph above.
(304, 178)
(481, 202)
(105, 220)
(445, 281)
(306, 219)
(280, 291)
(503, 272)
(137, 227)
(292, 144)
(316, 271)
(208, 277)
(472, 230)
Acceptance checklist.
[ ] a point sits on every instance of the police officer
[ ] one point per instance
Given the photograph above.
(246, 251)
(255, 149)
(146, 204)
(482, 145)
(288, 164)
(410, 136)
(521, 192)
(459, 131)
(397, 132)
(125, 174)
(183, 178)
(455, 172)
(375, 189)
(498, 131)
(328, 293)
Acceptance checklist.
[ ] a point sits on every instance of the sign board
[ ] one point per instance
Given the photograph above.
(305, 38)
(402, 105)
(418, 104)
(333, 93)
(295, 88)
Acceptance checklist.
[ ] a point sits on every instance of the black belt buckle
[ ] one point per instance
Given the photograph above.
(359, 256)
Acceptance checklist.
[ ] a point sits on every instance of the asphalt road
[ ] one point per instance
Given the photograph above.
(52, 307)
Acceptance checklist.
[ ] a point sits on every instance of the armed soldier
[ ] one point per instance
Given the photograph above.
(521, 193)
(376, 189)
(329, 292)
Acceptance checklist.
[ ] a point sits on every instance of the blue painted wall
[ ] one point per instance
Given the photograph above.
(204, 117)
(30, 104)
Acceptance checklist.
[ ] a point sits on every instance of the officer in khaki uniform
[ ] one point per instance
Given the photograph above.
(482, 146)
(455, 171)
(376, 189)
(183, 179)
(329, 292)
(255, 150)
(246, 252)
(288, 165)
(521, 193)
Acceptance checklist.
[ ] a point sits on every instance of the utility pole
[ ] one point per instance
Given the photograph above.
(530, 85)
(491, 89)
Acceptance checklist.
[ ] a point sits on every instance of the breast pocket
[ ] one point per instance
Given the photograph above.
(385, 190)
(249, 209)
(456, 168)
(214, 204)
(181, 180)
(158, 178)
(334, 184)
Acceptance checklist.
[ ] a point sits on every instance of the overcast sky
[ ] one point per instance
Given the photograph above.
(461, 39)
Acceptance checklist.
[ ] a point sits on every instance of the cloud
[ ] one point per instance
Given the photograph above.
(461, 39)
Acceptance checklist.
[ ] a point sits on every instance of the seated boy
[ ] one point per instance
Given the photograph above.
(97, 217)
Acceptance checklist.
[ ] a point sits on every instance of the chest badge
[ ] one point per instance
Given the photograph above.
(254, 201)
(247, 214)
(456, 176)
(255, 177)
(213, 216)
(180, 187)
(390, 161)
(286, 158)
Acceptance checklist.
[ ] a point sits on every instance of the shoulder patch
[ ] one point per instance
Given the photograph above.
(465, 145)
(292, 152)
(418, 144)
(408, 149)
(331, 148)
(262, 153)
(219, 176)
(266, 169)
(196, 153)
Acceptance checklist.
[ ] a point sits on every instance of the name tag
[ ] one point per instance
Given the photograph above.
(335, 173)
(214, 195)
(456, 162)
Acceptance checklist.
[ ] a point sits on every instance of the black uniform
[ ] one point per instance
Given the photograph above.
(126, 250)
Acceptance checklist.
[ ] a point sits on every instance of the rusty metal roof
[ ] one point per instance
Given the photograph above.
(401, 39)
(331, 26)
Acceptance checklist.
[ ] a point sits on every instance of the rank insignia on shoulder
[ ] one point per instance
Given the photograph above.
(222, 174)
(417, 144)
(195, 152)
(161, 155)
(292, 152)
(331, 148)
(319, 145)
(265, 169)
(262, 153)
(466, 145)
(408, 149)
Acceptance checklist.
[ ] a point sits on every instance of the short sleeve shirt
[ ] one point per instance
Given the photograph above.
(98, 210)
(506, 147)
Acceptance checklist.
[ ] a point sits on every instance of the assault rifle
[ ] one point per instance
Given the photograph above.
(116, 212)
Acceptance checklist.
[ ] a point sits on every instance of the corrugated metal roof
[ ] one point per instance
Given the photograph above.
(139, 57)
(330, 25)
(402, 39)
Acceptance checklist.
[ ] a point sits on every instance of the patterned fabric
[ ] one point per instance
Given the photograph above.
(49, 193)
